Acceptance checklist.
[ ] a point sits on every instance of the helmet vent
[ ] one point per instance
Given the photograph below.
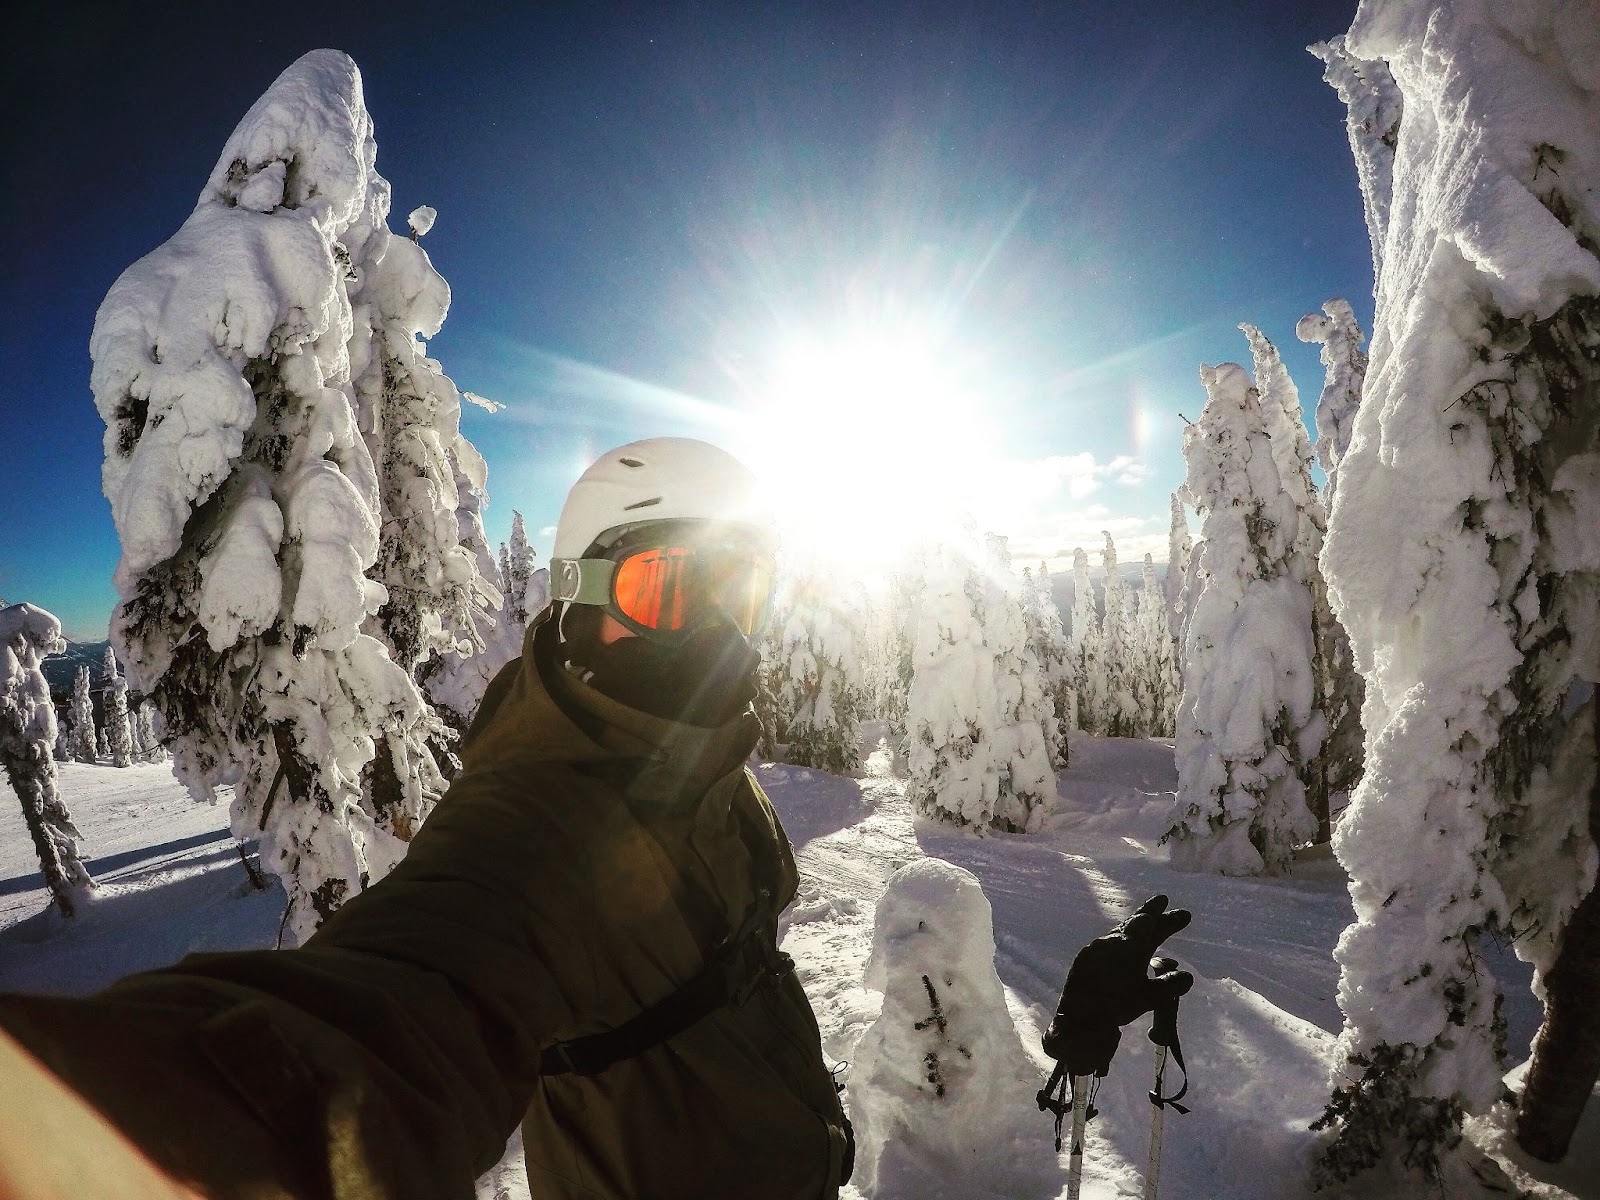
(630, 462)
(642, 504)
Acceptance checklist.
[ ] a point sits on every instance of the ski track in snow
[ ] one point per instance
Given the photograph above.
(1258, 1029)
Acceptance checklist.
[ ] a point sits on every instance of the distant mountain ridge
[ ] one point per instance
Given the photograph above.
(61, 670)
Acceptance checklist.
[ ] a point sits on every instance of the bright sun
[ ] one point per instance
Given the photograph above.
(868, 443)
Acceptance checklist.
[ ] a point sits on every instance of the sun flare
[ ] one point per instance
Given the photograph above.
(869, 443)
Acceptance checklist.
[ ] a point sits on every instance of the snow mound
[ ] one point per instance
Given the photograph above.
(943, 1087)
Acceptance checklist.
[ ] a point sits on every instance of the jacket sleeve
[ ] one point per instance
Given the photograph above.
(392, 1055)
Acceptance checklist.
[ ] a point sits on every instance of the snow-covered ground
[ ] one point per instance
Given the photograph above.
(1258, 1028)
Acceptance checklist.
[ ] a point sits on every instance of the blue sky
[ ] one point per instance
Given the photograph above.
(1073, 205)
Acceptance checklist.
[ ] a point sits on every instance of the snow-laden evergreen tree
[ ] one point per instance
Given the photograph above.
(102, 748)
(519, 570)
(1291, 450)
(1249, 683)
(27, 733)
(1120, 715)
(1373, 123)
(897, 635)
(245, 497)
(1156, 689)
(409, 414)
(818, 675)
(119, 733)
(62, 750)
(976, 753)
(150, 748)
(1047, 638)
(84, 745)
(1179, 549)
(1345, 367)
(1088, 665)
(484, 639)
(1464, 561)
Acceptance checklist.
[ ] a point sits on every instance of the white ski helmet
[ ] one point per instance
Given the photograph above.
(659, 479)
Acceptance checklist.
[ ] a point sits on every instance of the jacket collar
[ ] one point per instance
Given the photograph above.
(550, 715)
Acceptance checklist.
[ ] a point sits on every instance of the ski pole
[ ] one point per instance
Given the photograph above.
(1080, 1118)
(1152, 1173)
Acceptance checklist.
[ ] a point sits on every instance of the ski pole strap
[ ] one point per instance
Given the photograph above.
(1164, 1032)
(731, 975)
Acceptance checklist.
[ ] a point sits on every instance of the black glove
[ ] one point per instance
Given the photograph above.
(1111, 984)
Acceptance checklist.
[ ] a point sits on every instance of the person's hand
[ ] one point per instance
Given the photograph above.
(1113, 981)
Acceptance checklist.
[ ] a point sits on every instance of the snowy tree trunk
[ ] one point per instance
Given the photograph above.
(83, 739)
(1566, 1052)
(32, 774)
(119, 734)
(1464, 558)
(27, 732)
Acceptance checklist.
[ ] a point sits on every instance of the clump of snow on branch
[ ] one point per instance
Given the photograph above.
(27, 735)
(1249, 691)
(247, 501)
(976, 750)
(942, 1088)
(1463, 558)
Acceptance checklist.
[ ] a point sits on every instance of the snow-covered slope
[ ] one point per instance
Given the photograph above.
(1257, 1028)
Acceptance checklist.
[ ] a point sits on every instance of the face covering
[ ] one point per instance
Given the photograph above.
(704, 677)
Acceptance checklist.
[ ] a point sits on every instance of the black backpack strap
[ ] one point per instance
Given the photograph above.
(744, 961)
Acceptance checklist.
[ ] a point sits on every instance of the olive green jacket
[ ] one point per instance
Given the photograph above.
(581, 868)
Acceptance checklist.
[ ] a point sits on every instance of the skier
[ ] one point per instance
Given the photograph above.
(582, 936)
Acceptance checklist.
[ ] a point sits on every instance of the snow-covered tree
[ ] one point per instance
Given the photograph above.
(27, 733)
(1120, 715)
(84, 745)
(245, 498)
(1291, 450)
(102, 748)
(1463, 556)
(1373, 123)
(817, 674)
(976, 750)
(1249, 685)
(409, 413)
(1154, 658)
(62, 750)
(484, 639)
(1345, 366)
(895, 638)
(150, 748)
(1084, 645)
(519, 571)
(1047, 639)
(118, 733)
(1179, 549)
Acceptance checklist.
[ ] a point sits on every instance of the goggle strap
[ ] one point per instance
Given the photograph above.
(583, 580)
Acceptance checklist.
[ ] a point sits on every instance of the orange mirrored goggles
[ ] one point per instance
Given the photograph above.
(672, 587)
